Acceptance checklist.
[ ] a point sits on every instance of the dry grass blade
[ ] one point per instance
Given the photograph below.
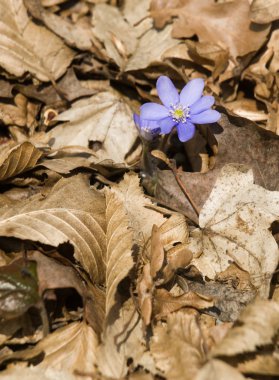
(18, 160)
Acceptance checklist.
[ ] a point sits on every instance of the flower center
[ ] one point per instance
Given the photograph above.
(179, 113)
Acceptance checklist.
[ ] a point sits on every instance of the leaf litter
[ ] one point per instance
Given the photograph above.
(125, 253)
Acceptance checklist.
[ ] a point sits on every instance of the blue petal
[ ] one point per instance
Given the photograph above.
(192, 92)
(209, 116)
(203, 104)
(153, 111)
(166, 125)
(166, 91)
(185, 131)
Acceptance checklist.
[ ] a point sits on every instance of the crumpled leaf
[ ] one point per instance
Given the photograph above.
(18, 159)
(45, 56)
(23, 113)
(95, 225)
(235, 222)
(70, 348)
(223, 23)
(138, 207)
(131, 47)
(264, 11)
(104, 119)
(78, 35)
(178, 346)
(257, 328)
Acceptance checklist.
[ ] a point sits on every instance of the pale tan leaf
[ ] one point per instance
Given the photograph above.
(165, 303)
(264, 11)
(235, 222)
(18, 159)
(118, 36)
(130, 47)
(218, 370)
(151, 48)
(178, 347)
(122, 340)
(27, 47)
(70, 348)
(257, 326)
(104, 119)
(35, 373)
(136, 204)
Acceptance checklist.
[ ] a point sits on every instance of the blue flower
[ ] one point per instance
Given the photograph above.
(178, 110)
(148, 129)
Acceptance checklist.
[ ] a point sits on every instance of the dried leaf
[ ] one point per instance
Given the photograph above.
(35, 373)
(45, 57)
(225, 24)
(165, 303)
(131, 48)
(72, 347)
(235, 222)
(18, 159)
(142, 218)
(264, 11)
(104, 119)
(122, 340)
(263, 148)
(95, 225)
(177, 346)
(257, 327)
(218, 370)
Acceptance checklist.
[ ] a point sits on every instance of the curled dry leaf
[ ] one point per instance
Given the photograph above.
(264, 11)
(104, 119)
(235, 222)
(78, 35)
(226, 24)
(177, 347)
(72, 347)
(35, 373)
(257, 326)
(95, 225)
(136, 204)
(18, 159)
(131, 47)
(45, 57)
(165, 303)
(22, 114)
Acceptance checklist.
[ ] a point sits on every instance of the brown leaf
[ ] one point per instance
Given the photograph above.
(121, 340)
(264, 11)
(45, 57)
(226, 23)
(105, 120)
(95, 225)
(257, 327)
(70, 348)
(157, 252)
(130, 47)
(145, 288)
(178, 346)
(23, 113)
(18, 159)
(165, 303)
(218, 370)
